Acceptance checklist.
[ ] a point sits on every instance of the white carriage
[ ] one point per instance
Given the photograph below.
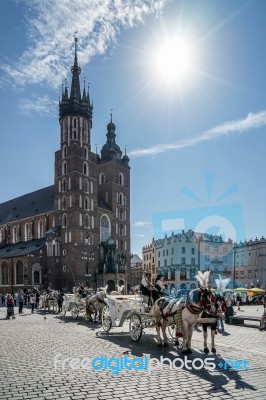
(134, 309)
(75, 304)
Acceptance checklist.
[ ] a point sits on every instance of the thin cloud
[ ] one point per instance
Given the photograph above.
(51, 28)
(252, 121)
(41, 105)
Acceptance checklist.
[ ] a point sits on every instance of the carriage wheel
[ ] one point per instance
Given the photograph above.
(106, 319)
(171, 330)
(135, 327)
(75, 311)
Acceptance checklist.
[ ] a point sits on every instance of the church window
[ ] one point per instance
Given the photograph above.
(91, 187)
(40, 229)
(4, 273)
(86, 152)
(86, 204)
(87, 221)
(59, 186)
(74, 123)
(121, 199)
(64, 221)
(15, 235)
(121, 179)
(80, 219)
(125, 245)
(92, 222)
(85, 169)
(80, 183)
(105, 228)
(92, 205)
(64, 168)
(69, 183)
(64, 185)
(64, 203)
(121, 214)
(19, 273)
(101, 179)
(80, 201)
(70, 201)
(86, 186)
(125, 230)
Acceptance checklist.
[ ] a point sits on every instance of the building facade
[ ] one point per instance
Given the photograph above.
(180, 256)
(250, 264)
(149, 256)
(77, 230)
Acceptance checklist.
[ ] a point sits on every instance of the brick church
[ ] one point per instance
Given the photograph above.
(78, 229)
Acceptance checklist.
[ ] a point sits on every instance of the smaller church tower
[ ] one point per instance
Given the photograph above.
(114, 199)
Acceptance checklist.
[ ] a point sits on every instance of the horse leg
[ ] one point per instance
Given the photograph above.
(165, 339)
(185, 338)
(158, 327)
(213, 336)
(205, 336)
(190, 332)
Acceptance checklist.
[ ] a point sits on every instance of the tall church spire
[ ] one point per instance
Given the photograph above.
(75, 69)
(74, 104)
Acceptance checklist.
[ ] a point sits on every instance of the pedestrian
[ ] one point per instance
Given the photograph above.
(60, 300)
(20, 301)
(221, 306)
(238, 301)
(32, 302)
(37, 298)
(229, 312)
(15, 299)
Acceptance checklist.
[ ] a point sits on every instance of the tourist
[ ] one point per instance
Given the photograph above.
(20, 301)
(32, 302)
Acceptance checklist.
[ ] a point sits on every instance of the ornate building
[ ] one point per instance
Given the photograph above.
(79, 228)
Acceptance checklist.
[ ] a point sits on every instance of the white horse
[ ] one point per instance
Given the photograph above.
(199, 300)
(165, 313)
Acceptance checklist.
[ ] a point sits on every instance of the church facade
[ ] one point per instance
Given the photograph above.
(78, 229)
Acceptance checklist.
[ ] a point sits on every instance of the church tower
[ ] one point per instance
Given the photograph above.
(76, 194)
(92, 197)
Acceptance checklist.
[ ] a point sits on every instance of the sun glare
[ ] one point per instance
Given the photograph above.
(172, 60)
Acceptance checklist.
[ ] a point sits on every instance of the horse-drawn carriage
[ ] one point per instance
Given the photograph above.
(132, 308)
(49, 301)
(166, 313)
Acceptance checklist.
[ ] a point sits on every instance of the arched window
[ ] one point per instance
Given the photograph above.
(92, 205)
(64, 168)
(86, 204)
(121, 214)
(101, 179)
(15, 235)
(74, 123)
(85, 169)
(105, 228)
(26, 232)
(64, 221)
(64, 204)
(121, 199)
(86, 152)
(86, 186)
(40, 229)
(87, 221)
(121, 179)
(4, 273)
(19, 273)
(64, 185)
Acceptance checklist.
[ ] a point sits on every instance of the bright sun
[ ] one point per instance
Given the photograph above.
(172, 60)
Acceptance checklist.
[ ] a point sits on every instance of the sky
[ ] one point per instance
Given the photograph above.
(186, 84)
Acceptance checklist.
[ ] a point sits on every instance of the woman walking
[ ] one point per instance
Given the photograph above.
(32, 302)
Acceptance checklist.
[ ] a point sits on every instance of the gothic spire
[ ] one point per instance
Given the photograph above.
(75, 69)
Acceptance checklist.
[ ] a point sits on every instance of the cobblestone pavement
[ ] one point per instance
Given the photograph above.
(29, 344)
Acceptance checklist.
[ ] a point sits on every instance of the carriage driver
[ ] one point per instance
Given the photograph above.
(81, 290)
(146, 286)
